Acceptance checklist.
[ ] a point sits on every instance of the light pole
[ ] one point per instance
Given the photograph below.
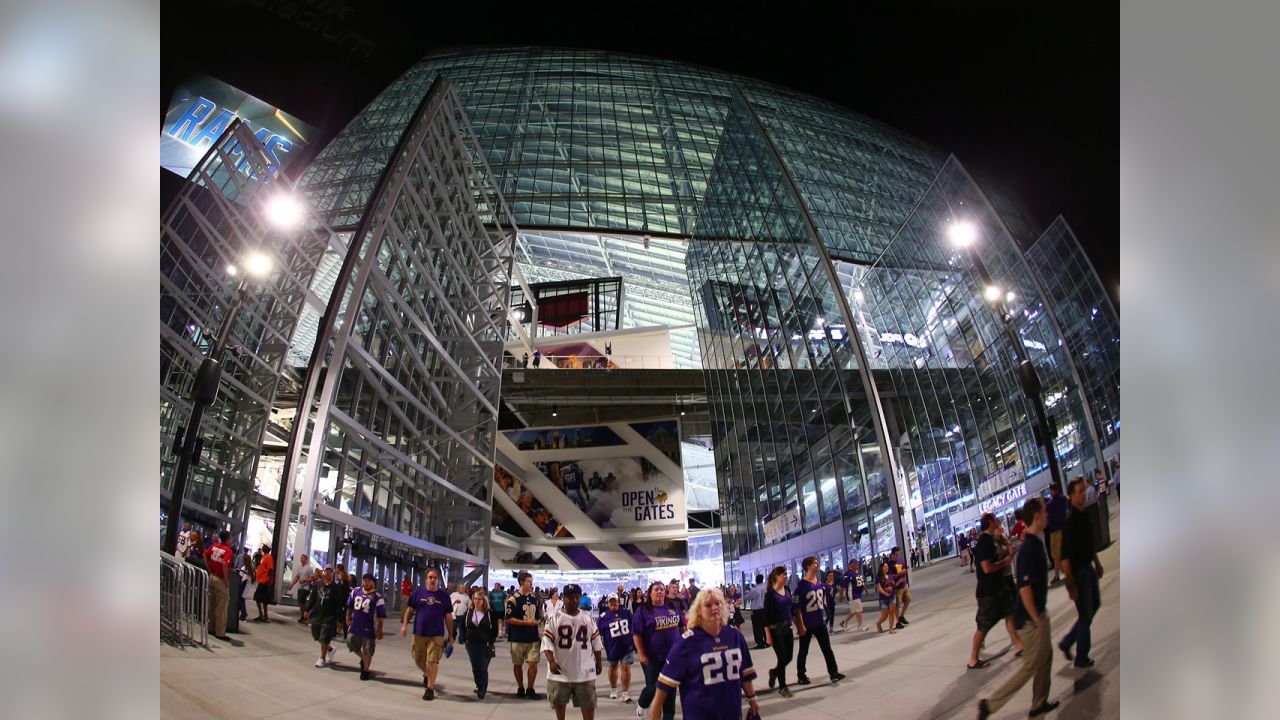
(204, 391)
(962, 234)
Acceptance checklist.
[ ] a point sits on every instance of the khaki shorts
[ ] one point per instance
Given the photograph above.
(428, 649)
(855, 606)
(1055, 545)
(903, 595)
(582, 693)
(524, 652)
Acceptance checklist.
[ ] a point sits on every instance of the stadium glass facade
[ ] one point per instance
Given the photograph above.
(857, 381)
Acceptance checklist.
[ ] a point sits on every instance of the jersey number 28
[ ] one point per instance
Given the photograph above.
(718, 667)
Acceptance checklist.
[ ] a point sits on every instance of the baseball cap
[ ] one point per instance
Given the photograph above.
(571, 589)
(612, 596)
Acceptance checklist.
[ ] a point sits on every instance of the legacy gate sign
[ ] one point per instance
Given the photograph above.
(1000, 499)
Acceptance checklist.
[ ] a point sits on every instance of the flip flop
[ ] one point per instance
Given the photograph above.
(981, 664)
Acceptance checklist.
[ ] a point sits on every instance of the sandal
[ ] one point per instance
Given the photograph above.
(981, 664)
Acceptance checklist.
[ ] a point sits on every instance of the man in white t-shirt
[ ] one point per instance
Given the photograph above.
(303, 574)
(184, 540)
(461, 606)
(569, 642)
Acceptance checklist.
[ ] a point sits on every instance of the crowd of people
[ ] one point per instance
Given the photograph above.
(686, 639)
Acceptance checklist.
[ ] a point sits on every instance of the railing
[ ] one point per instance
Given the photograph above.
(184, 602)
(592, 362)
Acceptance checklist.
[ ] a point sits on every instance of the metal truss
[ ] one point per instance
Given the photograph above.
(404, 381)
(213, 222)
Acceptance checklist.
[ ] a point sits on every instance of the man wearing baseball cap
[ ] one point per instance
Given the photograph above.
(569, 641)
(615, 626)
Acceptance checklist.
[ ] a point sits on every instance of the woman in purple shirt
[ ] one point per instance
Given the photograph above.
(778, 632)
(888, 599)
(655, 627)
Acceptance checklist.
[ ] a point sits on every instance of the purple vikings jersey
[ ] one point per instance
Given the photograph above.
(429, 609)
(709, 672)
(812, 602)
(364, 608)
(572, 477)
(615, 627)
(659, 628)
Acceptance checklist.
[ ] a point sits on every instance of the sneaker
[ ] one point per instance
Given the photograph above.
(1085, 663)
(803, 680)
(613, 694)
(364, 674)
(332, 651)
(903, 621)
(626, 696)
(864, 628)
(520, 693)
(639, 711)
(784, 691)
(984, 710)
(480, 694)
(321, 663)
(1047, 707)
(900, 626)
(429, 694)
(530, 694)
(837, 677)
(844, 624)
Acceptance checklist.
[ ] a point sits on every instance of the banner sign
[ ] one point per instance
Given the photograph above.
(781, 526)
(201, 110)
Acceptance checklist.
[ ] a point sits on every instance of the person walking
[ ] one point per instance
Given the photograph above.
(829, 590)
(326, 605)
(220, 559)
(264, 595)
(346, 583)
(888, 598)
(755, 603)
(901, 585)
(1031, 621)
(655, 629)
(366, 609)
(498, 606)
(552, 604)
(524, 615)
(995, 602)
(1057, 507)
(709, 665)
(431, 610)
(248, 582)
(303, 574)
(461, 602)
(811, 599)
(481, 632)
(571, 643)
(1082, 571)
(615, 627)
(857, 583)
(537, 358)
(780, 613)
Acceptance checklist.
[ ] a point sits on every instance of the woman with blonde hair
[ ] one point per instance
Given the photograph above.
(710, 665)
(481, 632)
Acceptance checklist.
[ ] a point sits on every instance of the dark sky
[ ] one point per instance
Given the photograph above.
(1023, 93)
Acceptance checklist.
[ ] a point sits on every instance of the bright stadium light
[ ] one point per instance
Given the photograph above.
(284, 210)
(232, 270)
(992, 293)
(962, 233)
(258, 264)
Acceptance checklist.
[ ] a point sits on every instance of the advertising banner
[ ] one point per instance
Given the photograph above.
(620, 492)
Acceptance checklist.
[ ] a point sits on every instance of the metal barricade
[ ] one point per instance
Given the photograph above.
(184, 602)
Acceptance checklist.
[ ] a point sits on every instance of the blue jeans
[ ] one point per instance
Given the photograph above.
(1088, 597)
(651, 687)
(479, 655)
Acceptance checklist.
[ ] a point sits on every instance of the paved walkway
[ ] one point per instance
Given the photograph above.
(267, 671)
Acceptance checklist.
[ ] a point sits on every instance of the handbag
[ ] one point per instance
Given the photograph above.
(751, 715)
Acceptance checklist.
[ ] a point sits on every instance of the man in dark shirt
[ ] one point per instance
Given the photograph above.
(1057, 519)
(1031, 620)
(994, 602)
(1081, 570)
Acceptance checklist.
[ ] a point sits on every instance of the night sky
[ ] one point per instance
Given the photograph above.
(1024, 94)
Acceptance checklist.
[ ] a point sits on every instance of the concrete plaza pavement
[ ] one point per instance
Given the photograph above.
(267, 671)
